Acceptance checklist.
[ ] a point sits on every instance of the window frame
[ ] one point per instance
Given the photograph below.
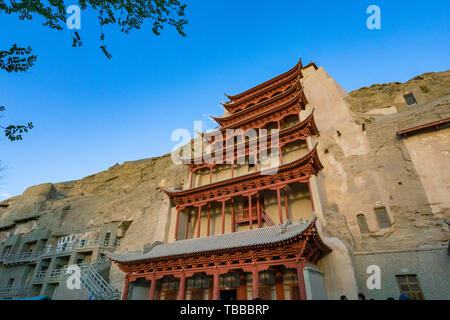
(411, 293)
(386, 216)
(365, 223)
(409, 96)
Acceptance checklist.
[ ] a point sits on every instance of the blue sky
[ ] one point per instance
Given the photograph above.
(91, 113)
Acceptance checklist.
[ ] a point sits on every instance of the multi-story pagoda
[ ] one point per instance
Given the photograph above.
(240, 229)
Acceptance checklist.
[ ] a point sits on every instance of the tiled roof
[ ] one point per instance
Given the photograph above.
(247, 238)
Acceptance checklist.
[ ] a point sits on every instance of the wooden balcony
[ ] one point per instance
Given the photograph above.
(243, 215)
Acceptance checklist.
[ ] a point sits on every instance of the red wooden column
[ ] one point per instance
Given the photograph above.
(310, 194)
(209, 220)
(223, 216)
(258, 208)
(187, 224)
(250, 213)
(286, 203)
(126, 287)
(216, 285)
(176, 224)
(182, 290)
(280, 213)
(301, 280)
(280, 153)
(255, 282)
(199, 220)
(151, 295)
(233, 221)
(232, 170)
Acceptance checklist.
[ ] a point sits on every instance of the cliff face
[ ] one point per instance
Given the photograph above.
(131, 194)
(426, 87)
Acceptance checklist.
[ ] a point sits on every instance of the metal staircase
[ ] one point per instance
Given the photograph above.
(95, 284)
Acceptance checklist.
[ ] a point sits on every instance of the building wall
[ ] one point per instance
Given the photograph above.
(430, 154)
(431, 267)
(367, 166)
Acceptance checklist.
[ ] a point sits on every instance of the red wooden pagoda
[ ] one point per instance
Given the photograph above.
(225, 241)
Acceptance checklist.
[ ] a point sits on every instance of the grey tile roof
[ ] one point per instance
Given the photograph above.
(247, 238)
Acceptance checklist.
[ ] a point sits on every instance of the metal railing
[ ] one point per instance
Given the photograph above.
(22, 257)
(40, 276)
(25, 257)
(57, 274)
(91, 280)
(80, 244)
(12, 291)
(97, 287)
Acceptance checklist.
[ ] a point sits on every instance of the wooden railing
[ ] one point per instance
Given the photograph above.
(243, 215)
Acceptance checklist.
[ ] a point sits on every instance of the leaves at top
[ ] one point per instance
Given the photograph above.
(128, 15)
(16, 59)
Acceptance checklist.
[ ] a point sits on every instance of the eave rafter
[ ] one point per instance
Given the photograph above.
(300, 131)
(259, 120)
(296, 171)
(262, 106)
(295, 70)
(306, 245)
(264, 94)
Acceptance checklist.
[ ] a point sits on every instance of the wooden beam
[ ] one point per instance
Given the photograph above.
(151, 295)
(286, 203)
(301, 281)
(176, 225)
(126, 287)
(209, 220)
(255, 283)
(250, 213)
(258, 208)
(280, 213)
(199, 220)
(233, 220)
(223, 216)
(181, 291)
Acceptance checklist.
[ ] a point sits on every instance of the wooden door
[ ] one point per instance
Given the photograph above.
(197, 294)
(170, 295)
(295, 293)
(265, 292)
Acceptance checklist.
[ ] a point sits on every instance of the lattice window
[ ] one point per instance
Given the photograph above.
(267, 278)
(198, 282)
(107, 237)
(382, 217)
(410, 99)
(362, 223)
(229, 280)
(170, 284)
(409, 285)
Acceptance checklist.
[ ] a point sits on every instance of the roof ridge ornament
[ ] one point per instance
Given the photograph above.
(282, 228)
(150, 247)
